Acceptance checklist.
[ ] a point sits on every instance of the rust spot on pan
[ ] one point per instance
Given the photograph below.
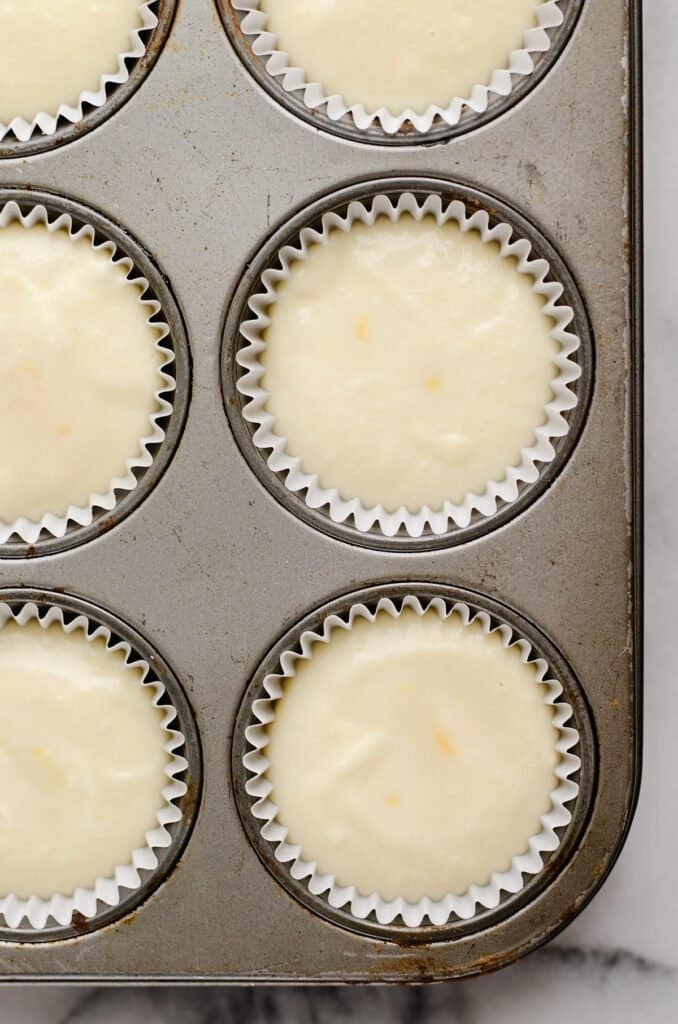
(406, 128)
(227, 10)
(79, 923)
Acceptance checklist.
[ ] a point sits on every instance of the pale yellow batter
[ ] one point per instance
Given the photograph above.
(399, 54)
(412, 757)
(407, 364)
(79, 371)
(82, 761)
(52, 50)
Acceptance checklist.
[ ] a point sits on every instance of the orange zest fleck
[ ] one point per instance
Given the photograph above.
(443, 742)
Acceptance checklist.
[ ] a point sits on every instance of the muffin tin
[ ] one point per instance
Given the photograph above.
(212, 570)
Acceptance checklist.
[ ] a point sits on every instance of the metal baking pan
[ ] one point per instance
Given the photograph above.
(212, 569)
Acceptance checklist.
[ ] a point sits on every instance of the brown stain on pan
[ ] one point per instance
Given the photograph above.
(191, 799)
(407, 128)
(424, 964)
(228, 11)
(80, 923)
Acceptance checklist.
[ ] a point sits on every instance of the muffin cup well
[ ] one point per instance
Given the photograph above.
(24, 531)
(84, 903)
(555, 19)
(435, 522)
(46, 123)
(260, 806)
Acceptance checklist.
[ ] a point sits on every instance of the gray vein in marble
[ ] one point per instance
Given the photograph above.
(261, 1005)
(605, 959)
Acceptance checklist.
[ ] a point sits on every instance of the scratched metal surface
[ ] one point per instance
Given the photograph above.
(199, 164)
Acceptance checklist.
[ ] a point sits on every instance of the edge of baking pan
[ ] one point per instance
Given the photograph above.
(636, 324)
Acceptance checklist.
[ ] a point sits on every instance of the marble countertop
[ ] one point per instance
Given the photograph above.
(620, 957)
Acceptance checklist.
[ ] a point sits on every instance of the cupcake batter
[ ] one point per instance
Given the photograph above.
(407, 364)
(79, 371)
(82, 760)
(51, 51)
(396, 53)
(412, 757)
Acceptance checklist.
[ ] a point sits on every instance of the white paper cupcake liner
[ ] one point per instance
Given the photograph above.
(521, 63)
(61, 906)
(29, 530)
(435, 521)
(47, 122)
(438, 912)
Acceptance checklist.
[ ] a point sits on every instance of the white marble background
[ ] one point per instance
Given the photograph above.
(619, 960)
